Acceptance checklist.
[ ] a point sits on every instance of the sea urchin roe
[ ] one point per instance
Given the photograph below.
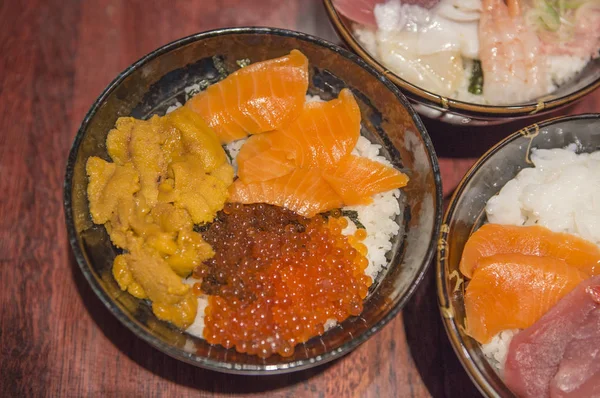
(166, 174)
(277, 278)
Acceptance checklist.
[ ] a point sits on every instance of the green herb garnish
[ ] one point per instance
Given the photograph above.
(476, 81)
(549, 17)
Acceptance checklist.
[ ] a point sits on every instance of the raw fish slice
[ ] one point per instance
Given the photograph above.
(356, 179)
(254, 146)
(258, 161)
(439, 72)
(257, 98)
(360, 11)
(323, 134)
(271, 164)
(308, 163)
(303, 191)
(579, 372)
(515, 69)
(534, 365)
(249, 193)
(535, 240)
(512, 291)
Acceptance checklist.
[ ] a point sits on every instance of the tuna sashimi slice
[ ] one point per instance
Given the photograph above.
(558, 355)
(257, 98)
(579, 372)
(360, 11)
(534, 240)
(513, 291)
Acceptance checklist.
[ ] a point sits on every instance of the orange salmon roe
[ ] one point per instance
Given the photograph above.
(287, 277)
(360, 234)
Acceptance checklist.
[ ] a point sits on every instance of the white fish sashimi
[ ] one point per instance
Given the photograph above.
(450, 26)
(440, 72)
(426, 47)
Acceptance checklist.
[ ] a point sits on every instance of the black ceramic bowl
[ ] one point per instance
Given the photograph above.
(452, 111)
(158, 80)
(466, 213)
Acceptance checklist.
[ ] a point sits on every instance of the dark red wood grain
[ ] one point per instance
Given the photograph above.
(56, 338)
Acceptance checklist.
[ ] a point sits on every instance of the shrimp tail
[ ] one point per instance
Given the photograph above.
(514, 7)
(514, 68)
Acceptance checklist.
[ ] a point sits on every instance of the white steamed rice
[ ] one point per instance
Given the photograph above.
(496, 350)
(562, 193)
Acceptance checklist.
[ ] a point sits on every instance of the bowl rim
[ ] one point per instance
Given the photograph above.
(230, 367)
(544, 104)
(444, 300)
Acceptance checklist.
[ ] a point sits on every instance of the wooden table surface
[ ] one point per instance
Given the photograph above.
(56, 338)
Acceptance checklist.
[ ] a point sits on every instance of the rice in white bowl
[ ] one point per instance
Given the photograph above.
(561, 193)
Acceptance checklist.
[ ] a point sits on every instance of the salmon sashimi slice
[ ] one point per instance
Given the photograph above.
(535, 240)
(307, 165)
(356, 179)
(320, 137)
(259, 161)
(323, 134)
(254, 146)
(257, 98)
(304, 191)
(513, 291)
(271, 164)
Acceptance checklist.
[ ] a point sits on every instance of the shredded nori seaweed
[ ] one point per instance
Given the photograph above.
(351, 214)
(203, 84)
(201, 227)
(243, 62)
(219, 63)
(228, 154)
(476, 82)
